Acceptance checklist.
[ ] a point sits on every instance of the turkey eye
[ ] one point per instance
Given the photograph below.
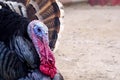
(39, 30)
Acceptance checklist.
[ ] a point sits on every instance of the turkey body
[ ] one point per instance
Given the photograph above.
(18, 57)
(14, 59)
(19, 61)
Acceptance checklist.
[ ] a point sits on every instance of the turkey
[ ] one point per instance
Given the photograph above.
(28, 31)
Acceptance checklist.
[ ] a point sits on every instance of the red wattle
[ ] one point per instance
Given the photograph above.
(47, 65)
(47, 60)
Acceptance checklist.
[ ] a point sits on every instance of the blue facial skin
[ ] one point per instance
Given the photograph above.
(38, 31)
(41, 32)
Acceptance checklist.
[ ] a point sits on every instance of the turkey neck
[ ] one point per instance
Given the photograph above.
(47, 65)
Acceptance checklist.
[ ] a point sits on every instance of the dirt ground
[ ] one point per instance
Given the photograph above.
(90, 44)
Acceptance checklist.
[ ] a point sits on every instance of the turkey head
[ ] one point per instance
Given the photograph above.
(38, 32)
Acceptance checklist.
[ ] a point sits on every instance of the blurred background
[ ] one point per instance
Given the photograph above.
(94, 2)
(89, 48)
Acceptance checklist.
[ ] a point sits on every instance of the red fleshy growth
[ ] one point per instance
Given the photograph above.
(47, 65)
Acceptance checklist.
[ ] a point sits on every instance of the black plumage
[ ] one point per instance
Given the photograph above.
(11, 22)
(17, 53)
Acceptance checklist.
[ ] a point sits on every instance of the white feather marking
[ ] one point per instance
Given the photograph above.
(0, 7)
(14, 6)
(34, 4)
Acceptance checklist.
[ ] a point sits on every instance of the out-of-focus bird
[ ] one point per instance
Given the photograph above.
(27, 29)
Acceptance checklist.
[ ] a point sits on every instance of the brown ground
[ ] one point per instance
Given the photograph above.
(90, 45)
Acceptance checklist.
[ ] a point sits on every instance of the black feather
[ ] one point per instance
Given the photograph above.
(10, 23)
(10, 65)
